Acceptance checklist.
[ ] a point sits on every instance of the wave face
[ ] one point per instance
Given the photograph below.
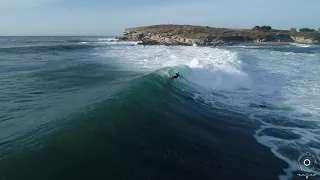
(108, 108)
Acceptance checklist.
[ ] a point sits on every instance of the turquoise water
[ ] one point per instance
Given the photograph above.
(92, 107)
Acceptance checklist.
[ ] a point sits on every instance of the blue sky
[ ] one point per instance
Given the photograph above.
(111, 17)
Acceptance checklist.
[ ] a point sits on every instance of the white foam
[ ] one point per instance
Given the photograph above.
(291, 80)
(218, 76)
(108, 39)
(274, 143)
(115, 41)
(301, 45)
(210, 68)
(133, 43)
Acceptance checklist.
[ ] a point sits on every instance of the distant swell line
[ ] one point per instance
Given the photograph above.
(51, 48)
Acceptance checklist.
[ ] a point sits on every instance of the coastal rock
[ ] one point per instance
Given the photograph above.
(305, 40)
(208, 36)
(148, 42)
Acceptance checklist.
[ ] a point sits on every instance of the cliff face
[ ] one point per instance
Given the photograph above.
(177, 35)
(207, 36)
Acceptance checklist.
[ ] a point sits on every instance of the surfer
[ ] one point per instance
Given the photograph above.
(176, 76)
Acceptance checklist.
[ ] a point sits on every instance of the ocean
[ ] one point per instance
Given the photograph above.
(95, 108)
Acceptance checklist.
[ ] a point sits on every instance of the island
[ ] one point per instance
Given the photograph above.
(171, 34)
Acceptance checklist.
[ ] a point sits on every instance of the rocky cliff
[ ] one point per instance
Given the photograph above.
(208, 36)
(311, 38)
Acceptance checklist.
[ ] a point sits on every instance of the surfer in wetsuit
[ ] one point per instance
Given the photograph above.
(176, 76)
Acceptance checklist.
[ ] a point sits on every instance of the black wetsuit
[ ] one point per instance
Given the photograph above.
(176, 76)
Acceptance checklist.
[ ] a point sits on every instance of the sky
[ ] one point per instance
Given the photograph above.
(111, 17)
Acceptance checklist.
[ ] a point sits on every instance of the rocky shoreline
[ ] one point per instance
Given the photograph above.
(208, 36)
